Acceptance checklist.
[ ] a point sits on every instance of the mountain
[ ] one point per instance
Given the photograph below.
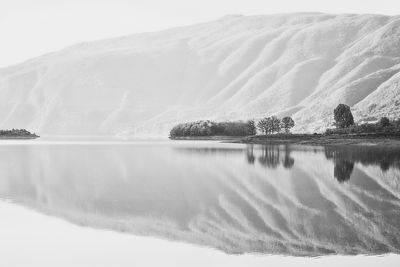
(237, 67)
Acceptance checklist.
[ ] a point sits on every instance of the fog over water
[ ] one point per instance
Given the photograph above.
(232, 197)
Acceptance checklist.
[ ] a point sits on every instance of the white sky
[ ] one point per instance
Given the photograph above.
(29, 28)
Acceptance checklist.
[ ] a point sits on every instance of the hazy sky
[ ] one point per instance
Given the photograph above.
(29, 28)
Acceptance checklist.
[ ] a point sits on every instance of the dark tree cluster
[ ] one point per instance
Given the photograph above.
(270, 125)
(16, 132)
(343, 116)
(344, 123)
(345, 158)
(211, 128)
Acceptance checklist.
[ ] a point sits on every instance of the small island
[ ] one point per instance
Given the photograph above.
(17, 134)
(272, 130)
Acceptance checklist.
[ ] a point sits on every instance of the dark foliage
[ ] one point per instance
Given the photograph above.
(343, 116)
(287, 124)
(16, 132)
(263, 126)
(343, 170)
(275, 124)
(384, 126)
(346, 157)
(384, 122)
(270, 125)
(210, 128)
(252, 127)
(270, 157)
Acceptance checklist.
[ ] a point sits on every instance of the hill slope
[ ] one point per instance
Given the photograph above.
(234, 68)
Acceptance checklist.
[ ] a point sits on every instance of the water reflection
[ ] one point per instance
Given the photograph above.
(237, 198)
(273, 156)
(381, 156)
(344, 157)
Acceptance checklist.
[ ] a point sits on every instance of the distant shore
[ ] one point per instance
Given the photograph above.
(306, 139)
(18, 137)
(17, 134)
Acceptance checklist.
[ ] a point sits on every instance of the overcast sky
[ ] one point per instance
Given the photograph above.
(29, 28)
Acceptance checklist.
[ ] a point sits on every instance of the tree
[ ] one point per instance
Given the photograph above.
(287, 124)
(275, 124)
(251, 127)
(262, 126)
(268, 125)
(343, 116)
(384, 122)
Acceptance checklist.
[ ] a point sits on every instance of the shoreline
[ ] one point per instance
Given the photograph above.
(207, 138)
(305, 139)
(18, 137)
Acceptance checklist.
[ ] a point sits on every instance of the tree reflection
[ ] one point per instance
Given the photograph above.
(270, 156)
(343, 157)
(250, 154)
(288, 161)
(343, 170)
(346, 157)
(385, 166)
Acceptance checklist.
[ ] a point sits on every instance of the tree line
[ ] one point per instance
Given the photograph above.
(211, 128)
(344, 124)
(266, 125)
(270, 125)
(16, 132)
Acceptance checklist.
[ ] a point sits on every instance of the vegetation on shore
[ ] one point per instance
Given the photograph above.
(345, 124)
(270, 125)
(211, 128)
(208, 128)
(385, 132)
(273, 129)
(17, 134)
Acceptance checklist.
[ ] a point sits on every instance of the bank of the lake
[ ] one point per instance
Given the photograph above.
(320, 139)
(224, 138)
(13, 137)
(306, 139)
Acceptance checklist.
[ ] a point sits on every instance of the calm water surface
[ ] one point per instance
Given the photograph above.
(237, 198)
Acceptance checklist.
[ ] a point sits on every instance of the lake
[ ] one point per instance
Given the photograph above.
(236, 198)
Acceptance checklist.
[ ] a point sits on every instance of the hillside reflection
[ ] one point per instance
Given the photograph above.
(236, 198)
(344, 157)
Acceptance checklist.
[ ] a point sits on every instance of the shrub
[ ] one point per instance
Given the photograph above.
(262, 126)
(287, 124)
(275, 124)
